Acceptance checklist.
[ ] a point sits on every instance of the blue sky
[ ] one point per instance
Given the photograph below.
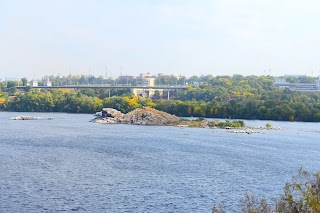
(218, 37)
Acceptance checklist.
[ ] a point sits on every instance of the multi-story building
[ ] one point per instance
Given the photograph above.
(146, 92)
(34, 83)
(48, 83)
(281, 83)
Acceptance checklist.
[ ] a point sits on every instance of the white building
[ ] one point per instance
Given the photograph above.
(34, 83)
(48, 83)
(280, 83)
(148, 81)
(146, 92)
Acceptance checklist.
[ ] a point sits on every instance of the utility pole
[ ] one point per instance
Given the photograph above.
(69, 75)
(106, 74)
(89, 78)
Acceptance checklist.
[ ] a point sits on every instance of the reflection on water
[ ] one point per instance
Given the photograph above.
(69, 164)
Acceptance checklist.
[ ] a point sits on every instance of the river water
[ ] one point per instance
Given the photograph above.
(70, 164)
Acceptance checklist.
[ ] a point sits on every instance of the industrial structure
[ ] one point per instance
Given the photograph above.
(282, 84)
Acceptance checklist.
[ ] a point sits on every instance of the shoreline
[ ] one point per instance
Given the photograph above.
(151, 117)
(207, 118)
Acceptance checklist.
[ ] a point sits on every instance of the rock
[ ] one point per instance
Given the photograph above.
(29, 118)
(110, 112)
(106, 120)
(242, 131)
(140, 116)
(149, 116)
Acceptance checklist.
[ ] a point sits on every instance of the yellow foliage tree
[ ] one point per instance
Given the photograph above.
(151, 104)
(2, 101)
(133, 102)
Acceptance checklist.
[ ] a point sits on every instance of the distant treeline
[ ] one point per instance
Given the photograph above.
(239, 97)
(159, 80)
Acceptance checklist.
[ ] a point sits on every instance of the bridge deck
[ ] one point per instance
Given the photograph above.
(106, 87)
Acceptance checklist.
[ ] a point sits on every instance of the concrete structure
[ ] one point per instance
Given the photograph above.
(144, 81)
(282, 84)
(146, 92)
(107, 87)
(48, 83)
(34, 83)
(148, 81)
(143, 75)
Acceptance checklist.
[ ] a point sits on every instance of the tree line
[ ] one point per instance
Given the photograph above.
(237, 96)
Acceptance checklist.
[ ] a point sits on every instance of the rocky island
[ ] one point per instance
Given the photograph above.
(151, 116)
(140, 116)
(30, 118)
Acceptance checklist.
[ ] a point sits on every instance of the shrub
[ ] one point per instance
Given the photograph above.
(194, 124)
(268, 125)
(301, 195)
(199, 119)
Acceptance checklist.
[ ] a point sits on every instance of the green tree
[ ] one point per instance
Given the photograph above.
(24, 81)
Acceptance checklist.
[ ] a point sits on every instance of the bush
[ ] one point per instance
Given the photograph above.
(301, 195)
(233, 124)
(194, 124)
(199, 119)
(213, 123)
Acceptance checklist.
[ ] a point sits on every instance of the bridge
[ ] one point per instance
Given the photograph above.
(105, 87)
(145, 91)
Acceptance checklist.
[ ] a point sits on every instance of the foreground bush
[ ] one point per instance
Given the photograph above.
(300, 195)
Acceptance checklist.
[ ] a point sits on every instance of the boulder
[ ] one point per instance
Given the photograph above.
(111, 113)
(140, 116)
(149, 116)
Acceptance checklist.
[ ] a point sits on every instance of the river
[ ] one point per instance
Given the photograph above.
(70, 164)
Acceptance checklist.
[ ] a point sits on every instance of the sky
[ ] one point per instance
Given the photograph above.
(179, 37)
